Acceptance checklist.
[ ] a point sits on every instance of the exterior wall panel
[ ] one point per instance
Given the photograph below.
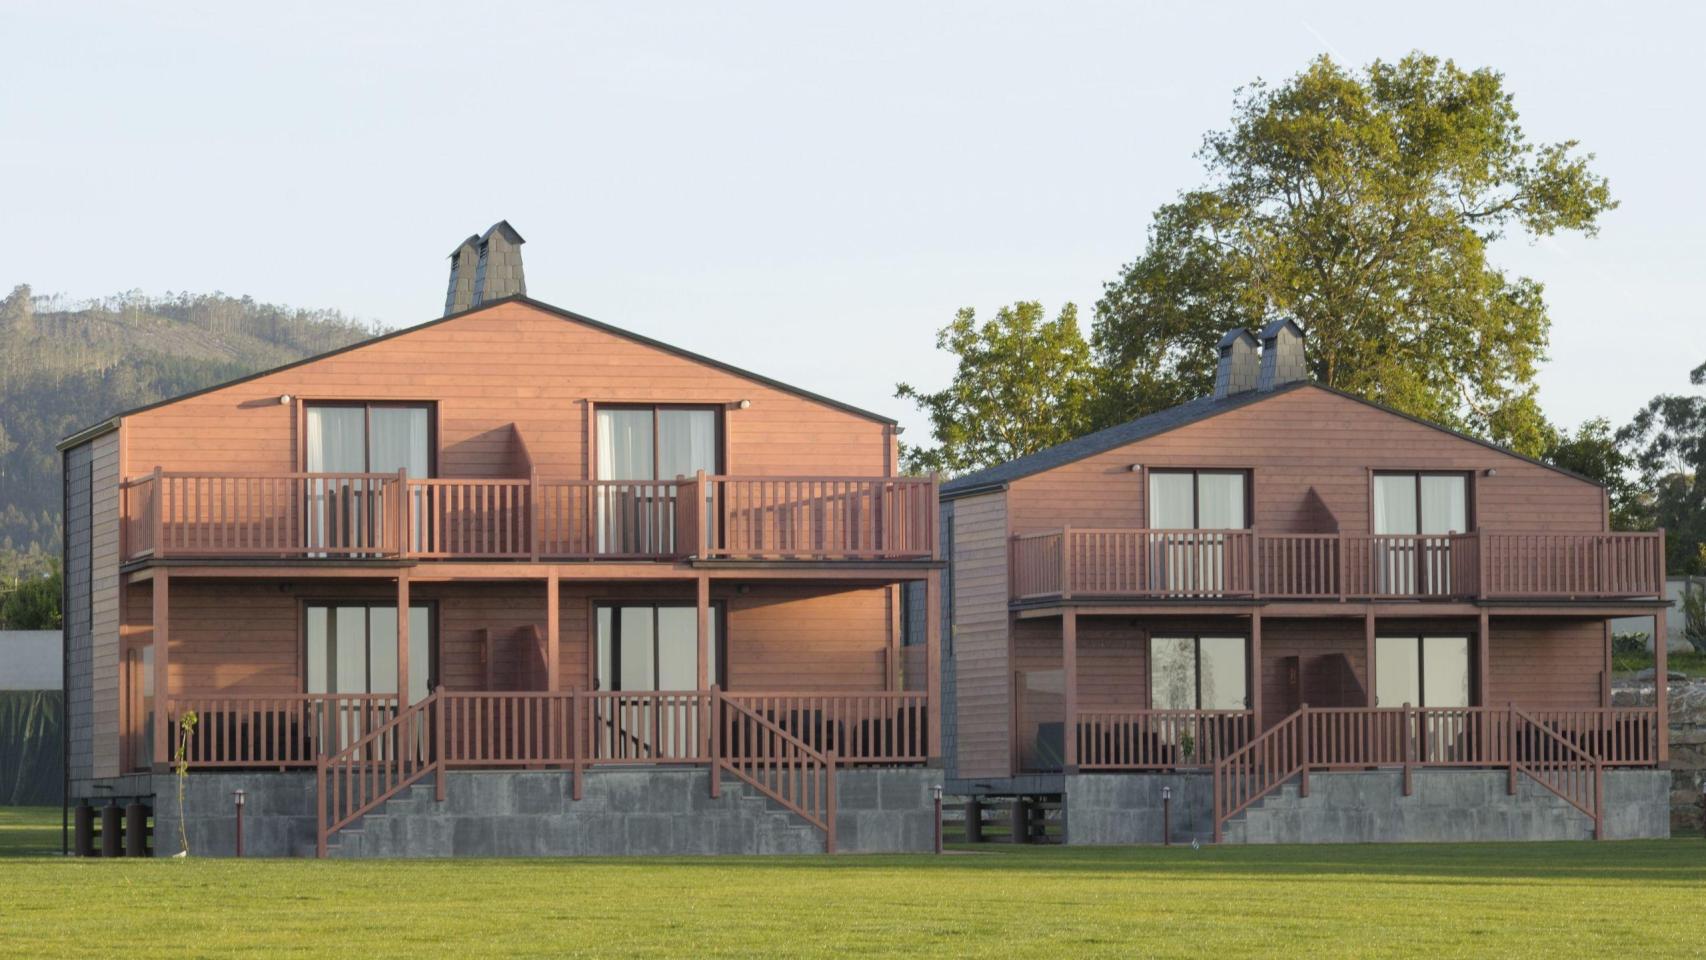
(982, 676)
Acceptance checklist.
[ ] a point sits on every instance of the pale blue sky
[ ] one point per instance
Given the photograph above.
(803, 190)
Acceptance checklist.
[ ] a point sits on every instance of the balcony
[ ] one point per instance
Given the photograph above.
(394, 516)
(1247, 564)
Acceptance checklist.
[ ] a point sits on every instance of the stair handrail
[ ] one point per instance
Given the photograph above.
(779, 765)
(1569, 770)
(357, 779)
(1278, 740)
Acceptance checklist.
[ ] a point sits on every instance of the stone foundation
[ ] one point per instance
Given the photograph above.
(628, 812)
(1364, 807)
(1687, 742)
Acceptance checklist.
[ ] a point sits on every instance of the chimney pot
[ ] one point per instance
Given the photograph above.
(1283, 359)
(1237, 369)
(486, 267)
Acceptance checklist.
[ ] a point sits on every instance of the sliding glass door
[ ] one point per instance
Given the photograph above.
(1418, 513)
(1192, 502)
(649, 448)
(650, 654)
(350, 647)
(348, 513)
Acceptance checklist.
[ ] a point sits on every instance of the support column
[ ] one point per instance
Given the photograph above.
(707, 662)
(1368, 663)
(933, 664)
(553, 634)
(1661, 682)
(1256, 672)
(1069, 667)
(1485, 656)
(162, 656)
(897, 598)
(402, 640)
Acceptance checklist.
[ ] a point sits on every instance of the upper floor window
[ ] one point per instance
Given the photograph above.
(1421, 503)
(657, 443)
(1198, 499)
(362, 437)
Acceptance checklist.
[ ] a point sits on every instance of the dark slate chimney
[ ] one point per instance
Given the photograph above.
(485, 268)
(1236, 372)
(1282, 355)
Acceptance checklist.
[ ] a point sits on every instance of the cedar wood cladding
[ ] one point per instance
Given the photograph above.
(104, 604)
(513, 362)
(982, 678)
(1311, 451)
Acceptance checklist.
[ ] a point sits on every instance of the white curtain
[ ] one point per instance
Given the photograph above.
(1170, 501)
(1445, 504)
(625, 445)
(1220, 501)
(1224, 680)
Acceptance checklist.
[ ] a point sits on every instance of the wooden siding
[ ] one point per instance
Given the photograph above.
(104, 604)
(1311, 452)
(979, 625)
(511, 364)
(243, 638)
(79, 640)
(1546, 664)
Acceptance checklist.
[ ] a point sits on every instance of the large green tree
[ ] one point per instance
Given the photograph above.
(1667, 441)
(1024, 382)
(1363, 205)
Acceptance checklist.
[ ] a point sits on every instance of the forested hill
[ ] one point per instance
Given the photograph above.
(67, 364)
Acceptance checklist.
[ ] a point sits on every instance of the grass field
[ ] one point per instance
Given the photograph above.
(1640, 899)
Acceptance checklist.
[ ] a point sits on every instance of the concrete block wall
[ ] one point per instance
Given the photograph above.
(1116, 808)
(650, 812)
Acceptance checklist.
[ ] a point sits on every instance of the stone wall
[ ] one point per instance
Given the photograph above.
(1362, 807)
(632, 812)
(1687, 741)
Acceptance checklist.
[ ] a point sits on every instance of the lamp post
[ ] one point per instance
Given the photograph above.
(239, 798)
(1166, 816)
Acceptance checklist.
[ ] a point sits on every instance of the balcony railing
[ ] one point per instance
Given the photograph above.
(391, 515)
(1212, 564)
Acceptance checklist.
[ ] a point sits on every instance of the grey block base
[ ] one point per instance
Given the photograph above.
(1365, 807)
(629, 812)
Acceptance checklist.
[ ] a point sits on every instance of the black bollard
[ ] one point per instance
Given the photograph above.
(83, 829)
(111, 831)
(136, 830)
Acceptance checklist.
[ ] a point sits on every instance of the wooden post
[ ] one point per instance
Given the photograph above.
(829, 800)
(1255, 673)
(577, 760)
(707, 668)
(1069, 667)
(933, 665)
(891, 671)
(1661, 679)
(400, 518)
(1409, 746)
(553, 634)
(159, 516)
(716, 741)
(163, 734)
(1481, 562)
(1065, 563)
(533, 516)
(1486, 659)
(1303, 749)
(439, 746)
(402, 641)
(1368, 665)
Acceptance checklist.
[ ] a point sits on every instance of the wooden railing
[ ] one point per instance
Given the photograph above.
(1247, 563)
(778, 764)
(391, 515)
(859, 728)
(1159, 739)
(287, 731)
(1565, 751)
(363, 775)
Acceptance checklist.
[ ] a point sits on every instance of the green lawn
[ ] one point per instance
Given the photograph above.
(1677, 661)
(1555, 901)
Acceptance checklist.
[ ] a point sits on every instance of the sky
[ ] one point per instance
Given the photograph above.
(805, 190)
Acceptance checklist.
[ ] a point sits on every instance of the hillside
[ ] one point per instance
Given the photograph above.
(66, 364)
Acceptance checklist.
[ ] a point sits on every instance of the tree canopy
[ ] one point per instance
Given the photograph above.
(1667, 443)
(1362, 205)
(1024, 382)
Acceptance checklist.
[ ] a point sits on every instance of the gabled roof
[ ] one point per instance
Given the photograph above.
(1172, 418)
(112, 421)
(503, 227)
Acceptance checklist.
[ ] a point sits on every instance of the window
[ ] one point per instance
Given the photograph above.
(351, 647)
(655, 647)
(1421, 671)
(348, 513)
(1198, 499)
(1198, 673)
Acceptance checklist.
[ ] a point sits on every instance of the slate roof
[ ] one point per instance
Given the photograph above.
(1172, 418)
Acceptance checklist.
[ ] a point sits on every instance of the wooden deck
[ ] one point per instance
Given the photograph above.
(393, 516)
(1240, 564)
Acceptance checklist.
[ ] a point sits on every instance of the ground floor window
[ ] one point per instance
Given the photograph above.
(656, 647)
(1198, 673)
(351, 647)
(1421, 671)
